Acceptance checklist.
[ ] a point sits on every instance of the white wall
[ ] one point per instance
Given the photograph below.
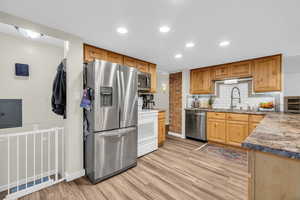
(161, 97)
(35, 90)
(73, 123)
(291, 71)
(185, 92)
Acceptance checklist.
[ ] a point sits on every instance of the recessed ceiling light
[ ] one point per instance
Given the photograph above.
(178, 55)
(122, 30)
(189, 44)
(164, 29)
(224, 43)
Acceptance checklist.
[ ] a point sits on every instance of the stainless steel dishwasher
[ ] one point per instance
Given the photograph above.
(195, 124)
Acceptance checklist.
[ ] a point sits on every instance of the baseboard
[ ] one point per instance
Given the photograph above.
(74, 175)
(29, 179)
(176, 134)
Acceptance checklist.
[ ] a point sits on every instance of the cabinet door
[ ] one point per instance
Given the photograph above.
(201, 81)
(216, 130)
(91, 53)
(237, 131)
(221, 72)
(130, 62)
(241, 69)
(142, 66)
(114, 58)
(161, 129)
(152, 71)
(252, 126)
(267, 74)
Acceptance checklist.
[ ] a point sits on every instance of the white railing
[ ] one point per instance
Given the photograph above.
(40, 154)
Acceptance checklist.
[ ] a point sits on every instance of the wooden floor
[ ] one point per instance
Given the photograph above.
(175, 171)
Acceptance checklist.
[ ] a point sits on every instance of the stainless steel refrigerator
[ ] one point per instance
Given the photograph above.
(111, 141)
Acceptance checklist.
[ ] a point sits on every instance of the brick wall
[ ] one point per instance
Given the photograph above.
(175, 101)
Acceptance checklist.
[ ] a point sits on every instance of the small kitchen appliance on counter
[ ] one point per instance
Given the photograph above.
(148, 101)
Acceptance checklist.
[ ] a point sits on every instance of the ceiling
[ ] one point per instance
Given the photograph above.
(11, 30)
(254, 27)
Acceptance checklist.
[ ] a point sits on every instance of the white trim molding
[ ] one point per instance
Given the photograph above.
(176, 134)
(29, 179)
(74, 175)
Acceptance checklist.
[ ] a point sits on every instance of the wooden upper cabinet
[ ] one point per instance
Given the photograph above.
(201, 81)
(241, 69)
(114, 58)
(142, 66)
(221, 72)
(267, 74)
(130, 62)
(152, 71)
(91, 53)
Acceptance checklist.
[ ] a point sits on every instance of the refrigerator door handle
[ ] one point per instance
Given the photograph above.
(120, 92)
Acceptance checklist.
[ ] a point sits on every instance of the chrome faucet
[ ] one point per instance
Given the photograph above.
(232, 97)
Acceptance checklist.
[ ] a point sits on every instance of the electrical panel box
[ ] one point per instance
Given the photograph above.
(10, 113)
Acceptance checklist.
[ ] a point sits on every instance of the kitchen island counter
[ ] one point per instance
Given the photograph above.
(278, 133)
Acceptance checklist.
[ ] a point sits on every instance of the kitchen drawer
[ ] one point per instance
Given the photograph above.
(216, 115)
(237, 117)
(256, 118)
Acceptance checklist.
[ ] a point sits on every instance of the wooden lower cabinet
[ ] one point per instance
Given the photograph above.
(216, 130)
(252, 126)
(161, 127)
(230, 128)
(236, 132)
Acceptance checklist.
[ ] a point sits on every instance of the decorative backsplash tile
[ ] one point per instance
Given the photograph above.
(222, 98)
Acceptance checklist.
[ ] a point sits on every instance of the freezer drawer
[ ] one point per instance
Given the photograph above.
(114, 151)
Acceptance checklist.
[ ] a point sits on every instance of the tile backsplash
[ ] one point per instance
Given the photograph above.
(223, 97)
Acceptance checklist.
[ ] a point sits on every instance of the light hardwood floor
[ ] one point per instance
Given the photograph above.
(175, 171)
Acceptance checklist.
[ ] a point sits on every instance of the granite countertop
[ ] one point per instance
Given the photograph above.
(278, 133)
(229, 110)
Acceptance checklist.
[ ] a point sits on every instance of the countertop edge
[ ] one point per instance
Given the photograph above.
(250, 112)
(278, 152)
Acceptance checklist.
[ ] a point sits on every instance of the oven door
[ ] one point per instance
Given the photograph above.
(144, 81)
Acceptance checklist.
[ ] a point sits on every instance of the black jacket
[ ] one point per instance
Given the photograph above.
(59, 89)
